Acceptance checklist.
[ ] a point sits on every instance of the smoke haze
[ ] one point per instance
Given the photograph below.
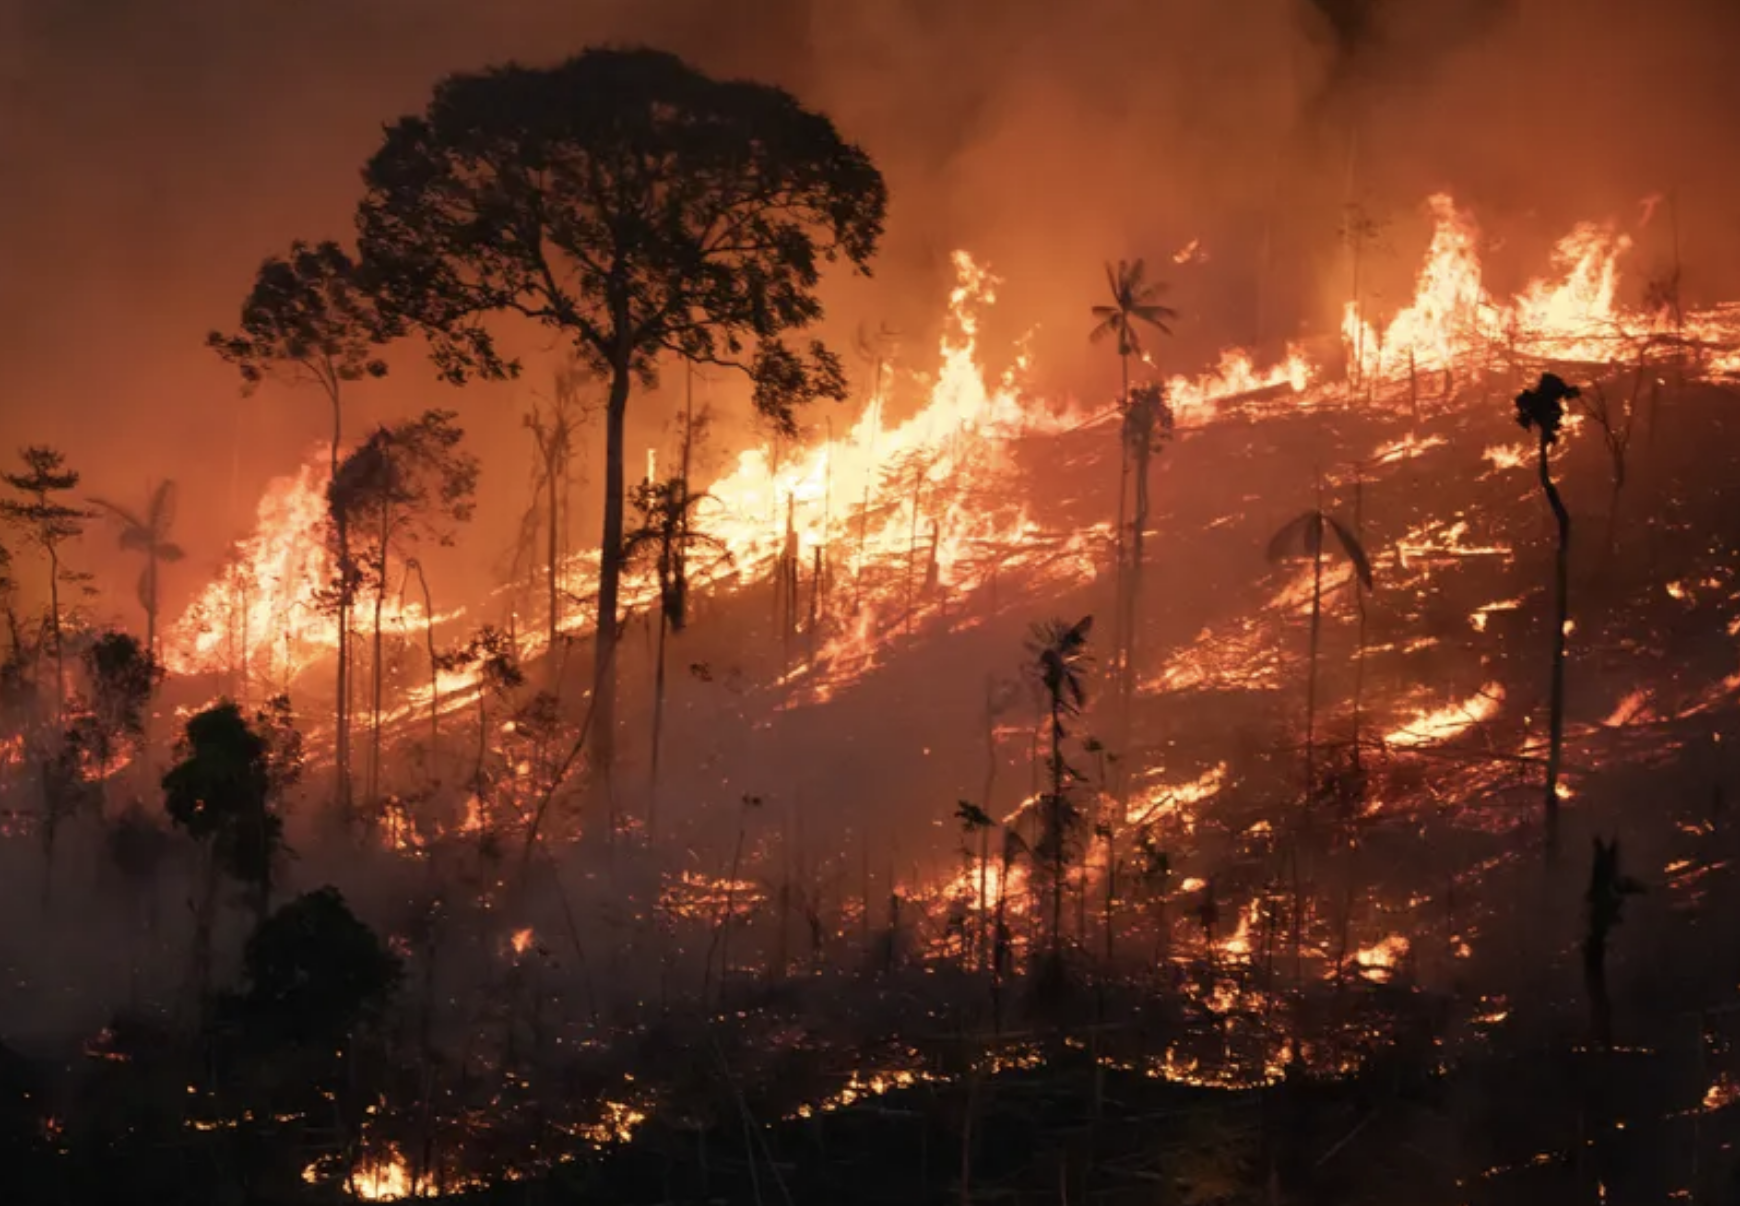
(154, 152)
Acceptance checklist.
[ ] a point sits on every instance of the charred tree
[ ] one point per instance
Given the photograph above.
(1542, 410)
(1605, 898)
(1060, 658)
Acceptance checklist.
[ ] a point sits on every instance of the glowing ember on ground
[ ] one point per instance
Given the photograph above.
(1452, 720)
(1380, 960)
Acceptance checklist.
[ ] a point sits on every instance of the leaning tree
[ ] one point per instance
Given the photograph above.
(636, 207)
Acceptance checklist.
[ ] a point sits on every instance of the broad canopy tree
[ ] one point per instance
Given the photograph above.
(636, 207)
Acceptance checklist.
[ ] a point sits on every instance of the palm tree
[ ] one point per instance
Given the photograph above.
(1059, 653)
(147, 532)
(667, 535)
(973, 820)
(1305, 534)
(1148, 420)
(1542, 410)
(1134, 302)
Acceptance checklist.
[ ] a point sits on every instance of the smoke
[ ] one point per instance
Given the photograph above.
(153, 153)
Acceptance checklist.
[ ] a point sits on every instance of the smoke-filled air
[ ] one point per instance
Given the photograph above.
(704, 602)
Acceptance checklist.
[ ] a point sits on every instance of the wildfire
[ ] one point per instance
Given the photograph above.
(1380, 960)
(1452, 720)
(1454, 324)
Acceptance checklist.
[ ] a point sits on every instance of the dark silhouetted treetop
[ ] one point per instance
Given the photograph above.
(1303, 535)
(222, 789)
(147, 531)
(315, 972)
(1060, 657)
(309, 319)
(1543, 407)
(629, 201)
(1135, 300)
(413, 475)
(43, 521)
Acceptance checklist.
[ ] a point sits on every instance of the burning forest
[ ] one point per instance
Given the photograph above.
(879, 766)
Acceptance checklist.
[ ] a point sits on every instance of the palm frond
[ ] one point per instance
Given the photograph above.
(117, 511)
(163, 506)
(1294, 538)
(1354, 549)
(170, 551)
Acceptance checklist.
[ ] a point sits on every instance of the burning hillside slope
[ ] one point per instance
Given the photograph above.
(824, 748)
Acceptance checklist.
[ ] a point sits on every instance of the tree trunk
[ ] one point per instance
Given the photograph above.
(434, 668)
(54, 631)
(341, 757)
(658, 725)
(1561, 613)
(151, 599)
(552, 552)
(609, 581)
(1123, 494)
(1311, 670)
(1057, 827)
(1359, 602)
(378, 668)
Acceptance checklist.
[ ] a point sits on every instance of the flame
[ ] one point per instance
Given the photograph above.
(1452, 720)
(263, 614)
(1380, 960)
(1452, 317)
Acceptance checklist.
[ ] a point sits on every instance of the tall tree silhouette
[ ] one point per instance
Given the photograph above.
(1542, 410)
(47, 523)
(666, 535)
(147, 532)
(1059, 659)
(1134, 304)
(1305, 535)
(637, 207)
(407, 482)
(309, 321)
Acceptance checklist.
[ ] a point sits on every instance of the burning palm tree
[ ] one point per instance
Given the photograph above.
(147, 532)
(1542, 410)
